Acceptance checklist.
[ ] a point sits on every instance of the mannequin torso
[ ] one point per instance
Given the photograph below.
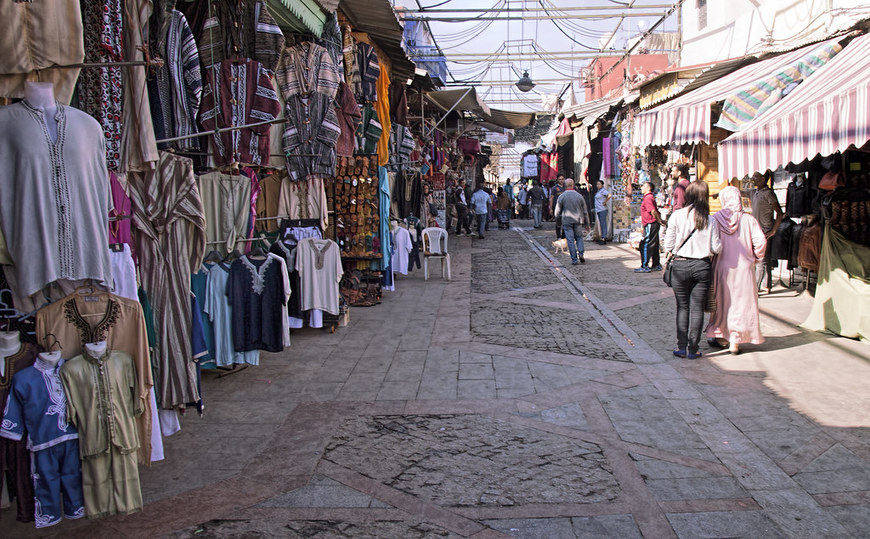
(10, 344)
(40, 95)
(96, 349)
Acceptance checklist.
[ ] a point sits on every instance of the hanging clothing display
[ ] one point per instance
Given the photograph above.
(176, 87)
(365, 72)
(310, 135)
(331, 40)
(402, 246)
(47, 34)
(399, 104)
(369, 131)
(170, 243)
(306, 68)
(91, 316)
(268, 202)
(257, 296)
(349, 118)
(123, 272)
(219, 311)
(198, 284)
(239, 93)
(54, 209)
(319, 265)
(530, 165)
(108, 438)
(138, 145)
(99, 89)
(37, 408)
(119, 215)
(226, 201)
(240, 29)
(382, 106)
(14, 457)
(402, 143)
(304, 200)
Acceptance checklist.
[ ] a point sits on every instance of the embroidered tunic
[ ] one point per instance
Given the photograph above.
(220, 312)
(236, 94)
(100, 316)
(256, 293)
(319, 265)
(14, 457)
(54, 209)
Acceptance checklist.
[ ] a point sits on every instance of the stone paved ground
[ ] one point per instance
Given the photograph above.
(526, 398)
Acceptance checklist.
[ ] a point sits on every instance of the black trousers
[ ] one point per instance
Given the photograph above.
(462, 219)
(690, 280)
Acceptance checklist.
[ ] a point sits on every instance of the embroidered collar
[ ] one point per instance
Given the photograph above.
(95, 359)
(44, 366)
(100, 331)
(258, 279)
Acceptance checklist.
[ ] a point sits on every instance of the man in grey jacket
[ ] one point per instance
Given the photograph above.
(571, 207)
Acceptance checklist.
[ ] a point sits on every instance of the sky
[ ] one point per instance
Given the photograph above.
(569, 36)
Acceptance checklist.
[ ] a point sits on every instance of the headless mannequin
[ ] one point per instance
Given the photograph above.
(50, 357)
(10, 344)
(96, 349)
(40, 95)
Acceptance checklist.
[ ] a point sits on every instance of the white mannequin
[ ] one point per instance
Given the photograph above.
(50, 357)
(40, 95)
(96, 349)
(10, 344)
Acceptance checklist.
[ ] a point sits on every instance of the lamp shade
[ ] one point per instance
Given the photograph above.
(525, 83)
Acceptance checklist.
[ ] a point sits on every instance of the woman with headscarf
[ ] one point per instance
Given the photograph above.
(735, 317)
(692, 238)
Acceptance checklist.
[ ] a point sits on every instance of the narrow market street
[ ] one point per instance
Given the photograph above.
(525, 398)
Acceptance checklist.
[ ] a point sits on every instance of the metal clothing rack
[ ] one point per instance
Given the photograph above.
(278, 120)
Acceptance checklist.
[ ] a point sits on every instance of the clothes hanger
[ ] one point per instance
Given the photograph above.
(213, 256)
(232, 255)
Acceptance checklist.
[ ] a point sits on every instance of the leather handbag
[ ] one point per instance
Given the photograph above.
(667, 275)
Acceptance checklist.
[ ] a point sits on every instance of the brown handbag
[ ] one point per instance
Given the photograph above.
(810, 249)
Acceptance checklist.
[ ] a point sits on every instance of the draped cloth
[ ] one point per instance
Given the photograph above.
(170, 240)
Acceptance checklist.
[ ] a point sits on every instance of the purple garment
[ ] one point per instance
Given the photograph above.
(119, 228)
(607, 169)
(255, 194)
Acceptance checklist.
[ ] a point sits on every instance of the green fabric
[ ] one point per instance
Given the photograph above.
(842, 301)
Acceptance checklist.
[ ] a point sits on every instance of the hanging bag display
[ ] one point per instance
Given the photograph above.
(667, 275)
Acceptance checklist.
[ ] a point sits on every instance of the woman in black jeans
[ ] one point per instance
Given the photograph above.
(693, 238)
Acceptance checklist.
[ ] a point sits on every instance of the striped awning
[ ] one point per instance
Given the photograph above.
(687, 119)
(749, 103)
(827, 113)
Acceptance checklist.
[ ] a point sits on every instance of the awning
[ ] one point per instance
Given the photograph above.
(682, 80)
(589, 112)
(377, 18)
(304, 16)
(742, 107)
(467, 99)
(687, 118)
(825, 114)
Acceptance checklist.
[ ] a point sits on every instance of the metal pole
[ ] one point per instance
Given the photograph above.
(450, 110)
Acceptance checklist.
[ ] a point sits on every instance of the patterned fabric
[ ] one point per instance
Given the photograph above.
(236, 94)
(100, 89)
(170, 239)
(369, 131)
(310, 136)
(138, 146)
(331, 40)
(14, 457)
(401, 145)
(178, 85)
(366, 61)
(240, 29)
(307, 68)
(349, 118)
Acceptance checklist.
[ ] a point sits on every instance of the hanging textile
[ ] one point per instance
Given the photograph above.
(138, 146)
(268, 202)
(14, 457)
(226, 203)
(238, 30)
(310, 135)
(368, 134)
(100, 88)
(176, 88)
(304, 200)
(170, 241)
(365, 73)
(331, 40)
(319, 265)
(219, 311)
(236, 94)
(306, 68)
(349, 119)
(382, 105)
(256, 293)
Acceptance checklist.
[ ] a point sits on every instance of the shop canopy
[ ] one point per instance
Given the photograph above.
(829, 112)
(589, 112)
(467, 99)
(305, 16)
(378, 20)
(687, 119)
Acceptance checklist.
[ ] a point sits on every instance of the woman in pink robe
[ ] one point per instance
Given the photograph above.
(735, 318)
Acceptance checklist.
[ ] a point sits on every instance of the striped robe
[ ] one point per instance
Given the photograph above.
(310, 137)
(170, 241)
(307, 68)
(245, 31)
(236, 94)
(178, 85)
(365, 85)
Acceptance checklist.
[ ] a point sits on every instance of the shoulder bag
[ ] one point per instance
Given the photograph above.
(667, 275)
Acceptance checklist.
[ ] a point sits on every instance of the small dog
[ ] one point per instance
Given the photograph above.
(561, 246)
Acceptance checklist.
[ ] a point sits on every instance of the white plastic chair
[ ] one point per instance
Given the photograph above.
(433, 248)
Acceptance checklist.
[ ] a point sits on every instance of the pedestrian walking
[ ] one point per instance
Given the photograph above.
(503, 207)
(735, 318)
(522, 200)
(536, 198)
(461, 205)
(769, 214)
(571, 209)
(693, 239)
(480, 204)
(602, 198)
(651, 220)
(680, 175)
